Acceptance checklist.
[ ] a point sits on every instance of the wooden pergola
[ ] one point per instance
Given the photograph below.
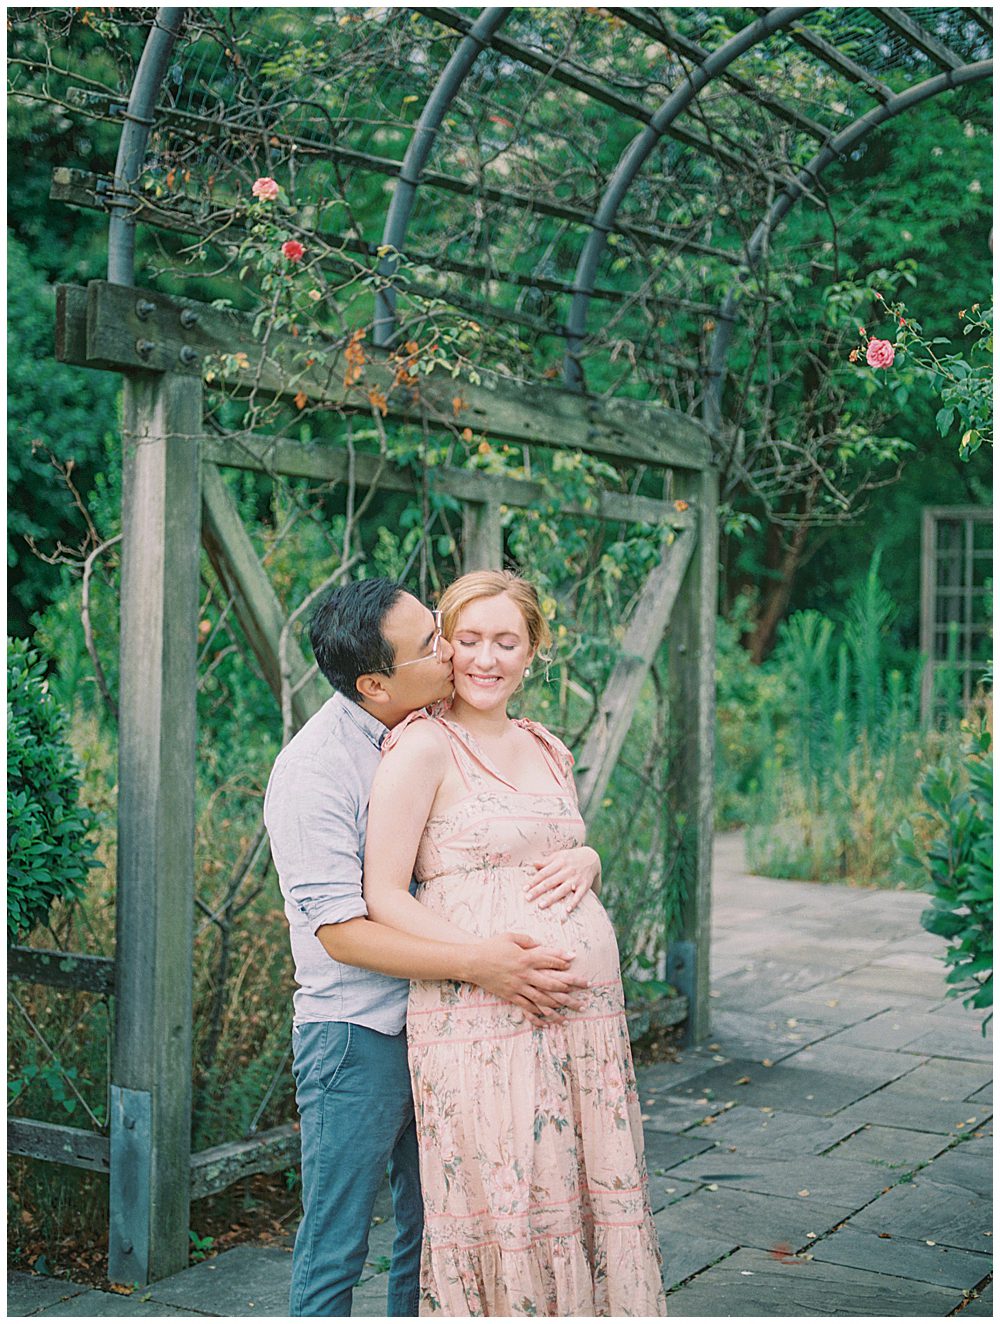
(176, 503)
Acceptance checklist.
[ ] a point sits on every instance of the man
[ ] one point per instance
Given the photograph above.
(385, 656)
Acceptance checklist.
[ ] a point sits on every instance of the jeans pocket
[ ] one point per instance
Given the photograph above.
(336, 1056)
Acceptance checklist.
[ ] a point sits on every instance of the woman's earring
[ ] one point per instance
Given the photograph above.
(527, 672)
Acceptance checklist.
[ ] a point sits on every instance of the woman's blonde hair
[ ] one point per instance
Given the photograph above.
(491, 584)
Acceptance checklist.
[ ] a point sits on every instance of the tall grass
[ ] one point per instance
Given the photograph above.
(821, 752)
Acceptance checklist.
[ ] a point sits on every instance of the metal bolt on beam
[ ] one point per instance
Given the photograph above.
(188, 356)
(144, 348)
(144, 309)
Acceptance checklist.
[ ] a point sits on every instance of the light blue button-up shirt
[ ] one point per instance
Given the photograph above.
(316, 814)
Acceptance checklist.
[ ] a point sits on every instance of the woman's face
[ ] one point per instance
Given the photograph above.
(491, 651)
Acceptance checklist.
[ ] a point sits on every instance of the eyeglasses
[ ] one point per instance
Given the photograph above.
(435, 642)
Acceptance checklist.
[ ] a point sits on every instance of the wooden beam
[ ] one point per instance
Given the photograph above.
(572, 75)
(692, 728)
(621, 694)
(137, 329)
(151, 1069)
(58, 1144)
(482, 537)
(326, 463)
(214, 1169)
(695, 54)
(255, 602)
(897, 19)
(33, 965)
(82, 188)
(843, 64)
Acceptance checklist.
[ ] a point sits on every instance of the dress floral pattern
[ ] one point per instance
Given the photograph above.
(531, 1148)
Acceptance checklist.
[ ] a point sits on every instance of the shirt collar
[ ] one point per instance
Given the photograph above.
(370, 726)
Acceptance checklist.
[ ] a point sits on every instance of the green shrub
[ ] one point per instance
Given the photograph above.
(821, 748)
(48, 851)
(956, 869)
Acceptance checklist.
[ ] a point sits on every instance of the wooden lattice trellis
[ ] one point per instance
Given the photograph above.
(956, 569)
(175, 502)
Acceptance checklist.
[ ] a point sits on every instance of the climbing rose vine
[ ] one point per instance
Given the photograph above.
(265, 188)
(880, 353)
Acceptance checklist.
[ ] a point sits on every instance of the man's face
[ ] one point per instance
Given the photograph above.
(423, 672)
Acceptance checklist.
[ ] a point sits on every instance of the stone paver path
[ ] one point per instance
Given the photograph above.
(828, 1152)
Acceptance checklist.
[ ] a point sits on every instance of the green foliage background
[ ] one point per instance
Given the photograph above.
(48, 851)
(838, 691)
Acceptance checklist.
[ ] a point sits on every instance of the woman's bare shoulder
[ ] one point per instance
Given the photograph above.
(418, 736)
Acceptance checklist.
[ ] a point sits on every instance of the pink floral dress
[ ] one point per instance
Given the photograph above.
(531, 1147)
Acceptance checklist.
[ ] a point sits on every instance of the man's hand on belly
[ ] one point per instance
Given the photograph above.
(517, 969)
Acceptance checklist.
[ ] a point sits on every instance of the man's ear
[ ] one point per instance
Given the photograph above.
(372, 688)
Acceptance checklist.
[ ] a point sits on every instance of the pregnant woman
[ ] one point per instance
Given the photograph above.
(531, 1150)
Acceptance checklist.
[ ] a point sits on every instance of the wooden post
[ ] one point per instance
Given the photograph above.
(928, 582)
(482, 537)
(151, 1075)
(692, 725)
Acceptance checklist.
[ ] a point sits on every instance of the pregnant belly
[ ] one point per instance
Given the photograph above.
(502, 907)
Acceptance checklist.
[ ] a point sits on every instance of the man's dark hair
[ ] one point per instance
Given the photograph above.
(346, 633)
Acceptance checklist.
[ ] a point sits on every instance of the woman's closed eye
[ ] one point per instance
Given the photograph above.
(474, 643)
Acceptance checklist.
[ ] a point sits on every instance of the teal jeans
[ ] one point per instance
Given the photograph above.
(352, 1088)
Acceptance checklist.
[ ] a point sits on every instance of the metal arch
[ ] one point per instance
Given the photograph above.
(804, 182)
(132, 144)
(397, 216)
(630, 164)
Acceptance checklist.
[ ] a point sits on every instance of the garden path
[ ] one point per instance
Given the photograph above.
(827, 1152)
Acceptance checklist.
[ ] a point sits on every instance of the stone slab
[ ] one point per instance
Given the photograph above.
(664, 1077)
(812, 1179)
(874, 1064)
(832, 1006)
(664, 1151)
(926, 960)
(819, 1093)
(898, 981)
(762, 984)
(903, 1258)
(950, 1042)
(752, 1283)
(757, 1035)
(985, 1095)
(969, 1165)
(674, 1115)
(981, 1306)
(685, 1254)
(27, 1293)
(667, 1190)
(747, 1130)
(893, 1148)
(92, 1304)
(907, 982)
(925, 1210)
(945, 1082)
(243, 1282)
(915, 1112)
(749, 1219)
(891, 1029)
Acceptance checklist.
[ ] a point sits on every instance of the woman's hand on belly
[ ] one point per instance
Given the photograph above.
(567, 874)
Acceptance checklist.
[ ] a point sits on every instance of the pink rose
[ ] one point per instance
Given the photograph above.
(265, 188)
(293, 250)
(880, 354)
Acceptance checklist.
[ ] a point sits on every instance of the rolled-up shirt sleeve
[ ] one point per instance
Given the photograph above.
(316, 829)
